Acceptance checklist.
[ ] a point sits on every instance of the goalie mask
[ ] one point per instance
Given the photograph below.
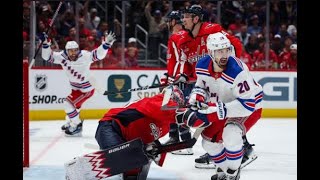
(72, 50)
(219, 49)
(176, 95)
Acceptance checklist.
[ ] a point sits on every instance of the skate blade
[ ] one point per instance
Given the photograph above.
(250, 160)
(181, 153)
(73, 135)
(205, 166)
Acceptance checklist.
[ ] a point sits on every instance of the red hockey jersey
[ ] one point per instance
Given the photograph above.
(192, 49)
(143, 119)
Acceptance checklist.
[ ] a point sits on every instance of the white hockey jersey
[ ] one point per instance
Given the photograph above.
(78, 72)
(235, 86)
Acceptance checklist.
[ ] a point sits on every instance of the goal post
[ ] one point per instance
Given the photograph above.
(25, 113)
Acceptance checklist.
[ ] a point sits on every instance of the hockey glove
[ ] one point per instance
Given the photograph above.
(191, 118)
(44, 38)
(180, 78)
(218, 107)
(109, 39)
(164, 79)
(151, 148)
(197, 99)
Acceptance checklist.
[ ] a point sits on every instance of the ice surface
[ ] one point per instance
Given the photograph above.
(275, 139)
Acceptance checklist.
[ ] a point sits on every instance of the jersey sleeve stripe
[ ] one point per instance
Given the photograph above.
(249, 104)
(258, 97)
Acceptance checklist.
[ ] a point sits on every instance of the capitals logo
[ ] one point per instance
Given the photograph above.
(155, 131)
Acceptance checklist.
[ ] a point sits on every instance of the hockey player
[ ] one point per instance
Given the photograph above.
(76, 64)
(139, 119)
(175, 74)
(234, 96)
(192, 47)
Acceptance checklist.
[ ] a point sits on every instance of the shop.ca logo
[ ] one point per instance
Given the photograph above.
(40, 82)
(118, 83)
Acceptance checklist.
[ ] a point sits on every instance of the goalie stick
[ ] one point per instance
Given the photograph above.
(48, 30)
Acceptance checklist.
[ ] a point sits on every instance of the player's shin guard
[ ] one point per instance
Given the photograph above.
(232, 139)
(184, 132)
(173, 134)
(185, 135)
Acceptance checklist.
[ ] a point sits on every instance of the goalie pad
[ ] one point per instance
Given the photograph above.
(109, 162)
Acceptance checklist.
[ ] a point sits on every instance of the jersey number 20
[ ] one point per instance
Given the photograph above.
(244, 86)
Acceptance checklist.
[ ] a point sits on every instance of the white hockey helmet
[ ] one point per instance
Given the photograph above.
(217, 41)
(72, 45)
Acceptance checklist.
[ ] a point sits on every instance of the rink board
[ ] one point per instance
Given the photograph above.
(49, 87)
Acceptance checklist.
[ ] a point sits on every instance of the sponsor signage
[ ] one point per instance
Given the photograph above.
(48, 88)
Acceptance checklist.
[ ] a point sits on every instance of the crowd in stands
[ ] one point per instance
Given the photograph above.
(245, 20)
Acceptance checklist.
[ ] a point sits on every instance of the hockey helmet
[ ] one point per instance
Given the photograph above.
(174, 15)
(196, 10)
(217, 41)
(72, 45)
(177, 95)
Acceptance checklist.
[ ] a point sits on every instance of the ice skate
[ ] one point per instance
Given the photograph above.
(66, 125)
(249, 155)
(187, 151)
(74, 130)
(220, 175)
(204, 162)
(230, 175)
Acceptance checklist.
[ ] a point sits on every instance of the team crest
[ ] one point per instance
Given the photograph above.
(155, 131)
(41, 82)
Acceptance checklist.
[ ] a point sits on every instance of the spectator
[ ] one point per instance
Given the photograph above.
(94, 19)
(259, 57)
(243, 35)
(276, 44)
(82, 29)
(103, 27)
(289, 61)
(286, 49)
(156, 25)
(113, 58)
(66, 23)
(254, 29)
(131, 53)
(72, 34)
(246, 58)
(252, 45)
(237, 25)
(283, 31)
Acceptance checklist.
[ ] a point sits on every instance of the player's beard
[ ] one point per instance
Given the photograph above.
(73, 57)
(222, 63)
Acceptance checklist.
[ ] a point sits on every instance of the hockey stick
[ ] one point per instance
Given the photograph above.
(48, 30)
(163, 148)
(177, 146)
(142, 88)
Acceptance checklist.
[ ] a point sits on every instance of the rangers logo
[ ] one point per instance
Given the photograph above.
(41, 82)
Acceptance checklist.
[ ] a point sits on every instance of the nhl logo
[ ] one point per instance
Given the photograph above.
(41, 82)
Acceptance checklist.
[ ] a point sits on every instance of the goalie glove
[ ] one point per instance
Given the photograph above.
(109, 39)
(151, 149)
